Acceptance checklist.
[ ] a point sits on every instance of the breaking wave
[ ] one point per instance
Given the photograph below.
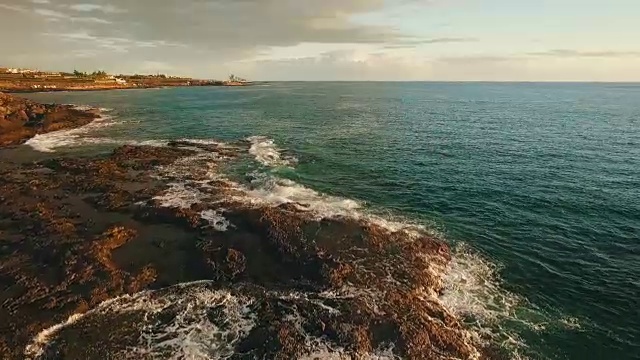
(65, 138)
(267, 153)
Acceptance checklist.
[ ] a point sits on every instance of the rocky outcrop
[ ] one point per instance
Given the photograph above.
(22, 119)
(78, 231)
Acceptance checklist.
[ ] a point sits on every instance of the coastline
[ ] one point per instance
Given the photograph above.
(30, 90)
(22, 119)
(85, 232)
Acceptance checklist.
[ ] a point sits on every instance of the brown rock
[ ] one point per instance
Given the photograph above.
(21, 119)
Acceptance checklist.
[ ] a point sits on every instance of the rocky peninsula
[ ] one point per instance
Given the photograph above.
(28, 81)
(150, 252)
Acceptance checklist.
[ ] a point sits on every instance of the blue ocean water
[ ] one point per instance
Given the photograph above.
(541, 182)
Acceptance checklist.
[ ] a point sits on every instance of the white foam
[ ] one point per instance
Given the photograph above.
(267, 153)
(74, 137)
(39, 343)
(179, 195)
(191, 335)
(472, 288)
(473, 293)
(216, 220)
(188, 335)
(84, 107)
(276, 191)
(37, 346)
(272, 191)
(204, 141)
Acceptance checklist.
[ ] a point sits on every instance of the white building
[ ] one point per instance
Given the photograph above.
(20, 71)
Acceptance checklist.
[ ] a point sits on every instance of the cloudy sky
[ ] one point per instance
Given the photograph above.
(532, 40)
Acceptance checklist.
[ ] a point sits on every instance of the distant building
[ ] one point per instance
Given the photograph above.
(104, 81)
(47, 75)
(20, 71)
(121, 81)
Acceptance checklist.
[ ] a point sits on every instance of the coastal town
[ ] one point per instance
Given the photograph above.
(33, 80)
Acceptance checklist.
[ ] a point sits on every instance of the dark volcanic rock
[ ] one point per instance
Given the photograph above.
(22, 119)
(76, 232)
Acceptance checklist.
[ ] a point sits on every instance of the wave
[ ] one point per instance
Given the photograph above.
(267, 153)
(66, 138)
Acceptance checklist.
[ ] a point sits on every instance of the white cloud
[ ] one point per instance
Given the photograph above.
(50, 13)
(112, 44)
(351, 65)
(56, 16)
(107, 9)
(90, 20)
(17, 8)
(566, 53)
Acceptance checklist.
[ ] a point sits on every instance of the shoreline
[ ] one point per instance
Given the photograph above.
(118, 225)
(22, 119)
(35, 91)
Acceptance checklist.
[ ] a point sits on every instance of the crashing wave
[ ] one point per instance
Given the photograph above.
(267, 153)
(49, 142)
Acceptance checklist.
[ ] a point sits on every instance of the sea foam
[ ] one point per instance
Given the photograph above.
(267, 153)
(49, 142)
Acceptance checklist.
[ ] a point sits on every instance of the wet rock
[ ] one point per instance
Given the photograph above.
(22, 119)
(78, 231)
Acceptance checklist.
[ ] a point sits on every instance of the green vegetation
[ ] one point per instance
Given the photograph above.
(233, 78)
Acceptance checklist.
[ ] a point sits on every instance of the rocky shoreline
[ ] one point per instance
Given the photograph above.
(112, 242)
(22, 119)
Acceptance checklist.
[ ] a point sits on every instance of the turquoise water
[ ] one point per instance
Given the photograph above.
(541, 180)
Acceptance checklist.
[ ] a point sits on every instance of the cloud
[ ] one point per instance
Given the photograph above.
(227, 30)
(57, 16)
(107, 9)
(443, 40)
(241, 25)
(94, 20)
(349, 65)
(296, 39)
(92, 43)
(17, 8)
(566, 53)
(50, 13)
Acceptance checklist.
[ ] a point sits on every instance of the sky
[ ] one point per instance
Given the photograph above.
(356, 40)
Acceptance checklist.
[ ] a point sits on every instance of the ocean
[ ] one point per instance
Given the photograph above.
(536, 186)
